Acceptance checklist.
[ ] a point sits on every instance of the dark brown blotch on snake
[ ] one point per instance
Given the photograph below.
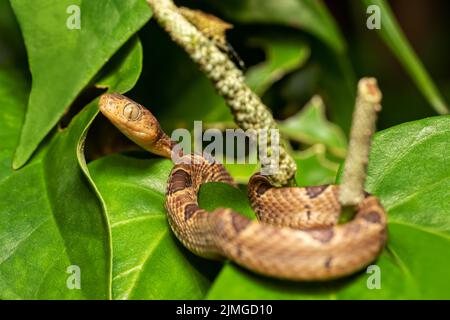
(239, 222)
(322, 235)
(179, 180)
(327, 263)
(315, 191)
(373, 217)
(262, 188)
(189, 210)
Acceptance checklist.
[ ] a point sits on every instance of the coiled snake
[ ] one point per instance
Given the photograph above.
(297, 236)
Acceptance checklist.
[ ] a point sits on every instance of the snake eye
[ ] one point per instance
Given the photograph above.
(132, 112)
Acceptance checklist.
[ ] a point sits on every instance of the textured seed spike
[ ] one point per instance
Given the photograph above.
(247, 108)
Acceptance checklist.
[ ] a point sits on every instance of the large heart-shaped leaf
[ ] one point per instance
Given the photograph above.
(51, 220)
(64, 60)
(148, 262)
(409, 171)
(53, 224)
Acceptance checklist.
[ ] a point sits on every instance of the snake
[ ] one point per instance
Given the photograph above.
(297, 234)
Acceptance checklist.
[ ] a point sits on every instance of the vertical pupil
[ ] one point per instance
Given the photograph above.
(131, 112)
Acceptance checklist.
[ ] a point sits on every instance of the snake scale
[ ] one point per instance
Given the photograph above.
(297, 236)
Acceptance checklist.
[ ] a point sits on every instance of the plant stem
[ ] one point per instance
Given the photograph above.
(363, 127)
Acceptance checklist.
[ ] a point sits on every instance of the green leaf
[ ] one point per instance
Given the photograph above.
(336, 83)
(309, 15)
(148, 262)
(393, 36)
(64, 61)
(310, 126)
(241, 172)
(13, 49)
(414, 266)
(409, 171)
(124, 69)
(215, 195)
(204, 104)
(56, 219)
(313, 167)
(13, 99)
(234, 282)
(282, 57)
(54, 222)
(202, 100)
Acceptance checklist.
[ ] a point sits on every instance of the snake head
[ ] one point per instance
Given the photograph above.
(136, 122)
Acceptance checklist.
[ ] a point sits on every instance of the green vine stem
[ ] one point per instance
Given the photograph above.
(248, 110)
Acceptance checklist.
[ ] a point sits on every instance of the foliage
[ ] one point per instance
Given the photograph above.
(107, 215)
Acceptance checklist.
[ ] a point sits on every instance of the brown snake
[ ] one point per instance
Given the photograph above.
(297, 236)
